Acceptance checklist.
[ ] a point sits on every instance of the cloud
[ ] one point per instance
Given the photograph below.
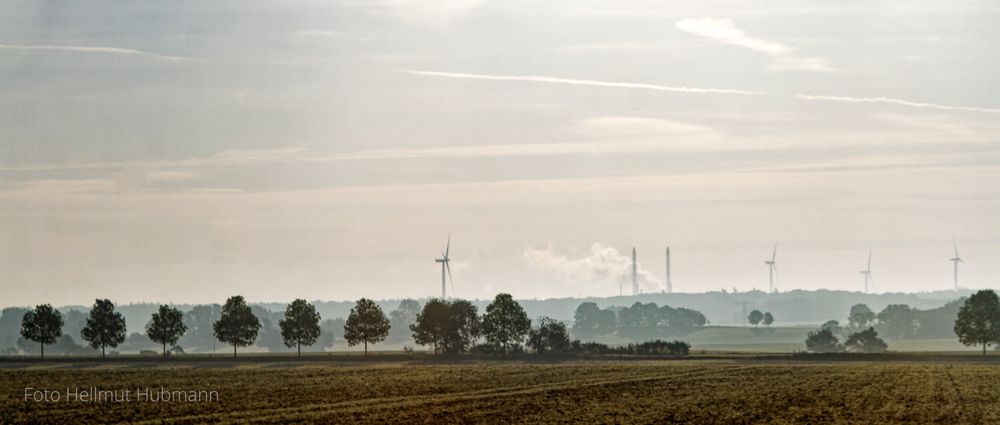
(602, 268)
(578, 82)
(426, 13)
(725, 31)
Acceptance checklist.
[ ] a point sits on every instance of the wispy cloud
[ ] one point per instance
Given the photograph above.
(657, 87)
(725, 31)
(578, 82)
(95, 49)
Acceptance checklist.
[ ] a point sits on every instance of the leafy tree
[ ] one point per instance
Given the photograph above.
(683, 318)
(42, 325)
(550, 337)
(505, 323)
(979, 319)
(755, 317)
(768, 319)
(269, 336)
(237, 324)
(401, 318)
(330, 331)
(590, 321)
(448, 326)
(640, 321)
(897, 321)
(833, 326)
(866, 341)
(166, 327)
(105, 326)
(200, 323)
(860, 316)
(823, 341)
(10, 326)
(432, 324)
(300, 325)
(366, 324)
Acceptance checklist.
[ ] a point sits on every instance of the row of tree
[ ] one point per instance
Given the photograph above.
(756, 317)
(639, 322)
(448, 326)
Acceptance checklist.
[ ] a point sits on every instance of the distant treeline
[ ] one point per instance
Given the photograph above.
(640, 322)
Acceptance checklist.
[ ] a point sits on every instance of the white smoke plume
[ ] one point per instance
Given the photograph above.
(600, 269)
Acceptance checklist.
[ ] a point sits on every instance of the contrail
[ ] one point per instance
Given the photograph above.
(657, 87)
(901, 102)
(95, 49)
(571, 81)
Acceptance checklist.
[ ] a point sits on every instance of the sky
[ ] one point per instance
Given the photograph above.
(187, 151)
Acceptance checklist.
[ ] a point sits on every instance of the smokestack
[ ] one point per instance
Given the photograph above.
(670, 285)
(635, 274)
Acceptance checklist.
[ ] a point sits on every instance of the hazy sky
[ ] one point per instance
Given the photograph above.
(186, 151)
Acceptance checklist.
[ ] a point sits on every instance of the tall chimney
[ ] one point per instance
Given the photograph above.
(635, 274)
(670, 285)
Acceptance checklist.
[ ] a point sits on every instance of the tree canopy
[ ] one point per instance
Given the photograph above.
(448, 326)
(589, 321)
(550, 337)
(860, 316)
(166, 327)
(105, 326)
(866, 341)
(237, 325)
(300, 325)
(42, 325)
(978, 321)
(823, 341)
(366, 324)
(505, 323)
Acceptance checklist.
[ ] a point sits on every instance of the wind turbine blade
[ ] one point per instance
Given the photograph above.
(447, 267)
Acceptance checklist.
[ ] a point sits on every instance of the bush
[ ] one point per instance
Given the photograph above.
(866, 341)
(823, 341)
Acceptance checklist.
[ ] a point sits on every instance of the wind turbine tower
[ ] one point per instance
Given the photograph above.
(772, 269)
(445, 267)
(868, 271)
(670, 285)
(956, 260)
(635, 274)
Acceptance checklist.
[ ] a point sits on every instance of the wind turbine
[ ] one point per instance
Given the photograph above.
(772, 269)
(956, 260)
(868, 271)
(445, 267)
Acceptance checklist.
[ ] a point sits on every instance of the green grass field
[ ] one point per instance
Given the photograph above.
(903, 388)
